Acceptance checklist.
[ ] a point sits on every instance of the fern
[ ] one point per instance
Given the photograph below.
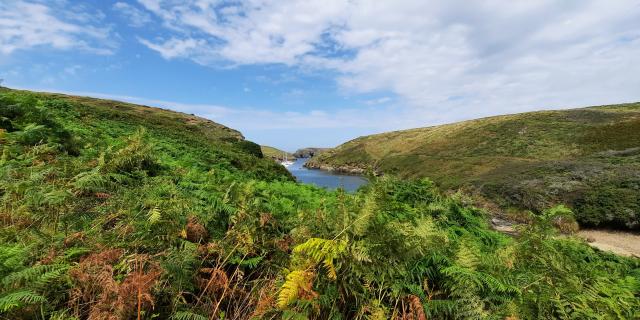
(18, 299)
(221, 206)
(187, 315)
(74, 252)
(322, 251)
(462, 281)
(361, 222)
(154, 215)
(39, 275)
(12, 257)
(296, 281)
(466, 257)
(91, 181)
(250, 263)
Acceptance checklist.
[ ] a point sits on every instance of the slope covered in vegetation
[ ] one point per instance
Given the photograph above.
(586, 158)
(116, 211)
(275, 153)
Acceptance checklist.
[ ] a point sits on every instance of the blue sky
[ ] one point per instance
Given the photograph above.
(317, 73)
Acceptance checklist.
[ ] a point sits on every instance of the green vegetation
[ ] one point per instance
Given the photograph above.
(588, 159)
(276, 154)
(116, 211)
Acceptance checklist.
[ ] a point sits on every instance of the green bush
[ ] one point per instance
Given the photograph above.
(251, 148)
(609, 206)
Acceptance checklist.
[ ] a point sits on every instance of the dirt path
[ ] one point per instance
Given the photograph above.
(622, 243)
(618, 242)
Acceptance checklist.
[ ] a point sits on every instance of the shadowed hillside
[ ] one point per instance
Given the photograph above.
(588, 158)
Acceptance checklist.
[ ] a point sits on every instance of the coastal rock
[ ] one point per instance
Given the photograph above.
(341, 169)
(308, 152)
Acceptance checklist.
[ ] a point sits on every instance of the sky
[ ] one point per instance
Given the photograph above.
(294, 74)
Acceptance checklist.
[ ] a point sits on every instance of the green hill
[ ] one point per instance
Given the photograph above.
(178, 137)
(117, 211)
(276, 154)
(587, 158)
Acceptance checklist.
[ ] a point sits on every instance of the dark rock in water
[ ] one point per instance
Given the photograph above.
(308, 152)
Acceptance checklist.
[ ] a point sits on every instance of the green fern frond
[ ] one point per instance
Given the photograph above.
(361, 222)
(322, 251)
(360, 251)
(38, 275)
(466, 256)
(91, 181)
(462, 281)
(12, 257)
(221, 206)
(74, 252)
(154, 215)
(18, 299)
(187, 315)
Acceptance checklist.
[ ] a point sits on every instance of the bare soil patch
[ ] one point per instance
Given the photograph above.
(618, 242)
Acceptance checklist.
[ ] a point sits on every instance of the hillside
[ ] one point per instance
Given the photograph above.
(587, 158)
(275, 154)
(177, 136)
(116, 211)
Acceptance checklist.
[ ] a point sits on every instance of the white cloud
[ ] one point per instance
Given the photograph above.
(25, 25)
(174, 48)
(136, 17)
(478, 58)
(381, 100)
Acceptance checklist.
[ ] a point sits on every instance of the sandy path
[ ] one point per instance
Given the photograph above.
(618, 242)
(622, 243)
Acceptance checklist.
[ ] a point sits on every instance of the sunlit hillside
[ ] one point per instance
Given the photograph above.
(587, 158)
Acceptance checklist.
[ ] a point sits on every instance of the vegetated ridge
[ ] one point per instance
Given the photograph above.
(276, 154)
(586, 158)
(110, 210)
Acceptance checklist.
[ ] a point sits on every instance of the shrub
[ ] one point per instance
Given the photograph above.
(610, 207)
(250, 148)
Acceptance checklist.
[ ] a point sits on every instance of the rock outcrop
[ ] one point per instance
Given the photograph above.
(308, 152)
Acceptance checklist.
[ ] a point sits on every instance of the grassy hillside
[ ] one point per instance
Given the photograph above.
(177, 137)
(276, 154)
(587, 158)
(117, 211)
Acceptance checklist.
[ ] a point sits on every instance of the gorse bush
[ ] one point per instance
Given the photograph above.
(139, 224)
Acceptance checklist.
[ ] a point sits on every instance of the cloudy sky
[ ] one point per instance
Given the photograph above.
(317, 73)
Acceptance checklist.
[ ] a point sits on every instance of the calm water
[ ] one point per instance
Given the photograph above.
(325, 179)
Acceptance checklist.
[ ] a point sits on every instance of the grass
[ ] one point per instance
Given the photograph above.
(553, 156)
